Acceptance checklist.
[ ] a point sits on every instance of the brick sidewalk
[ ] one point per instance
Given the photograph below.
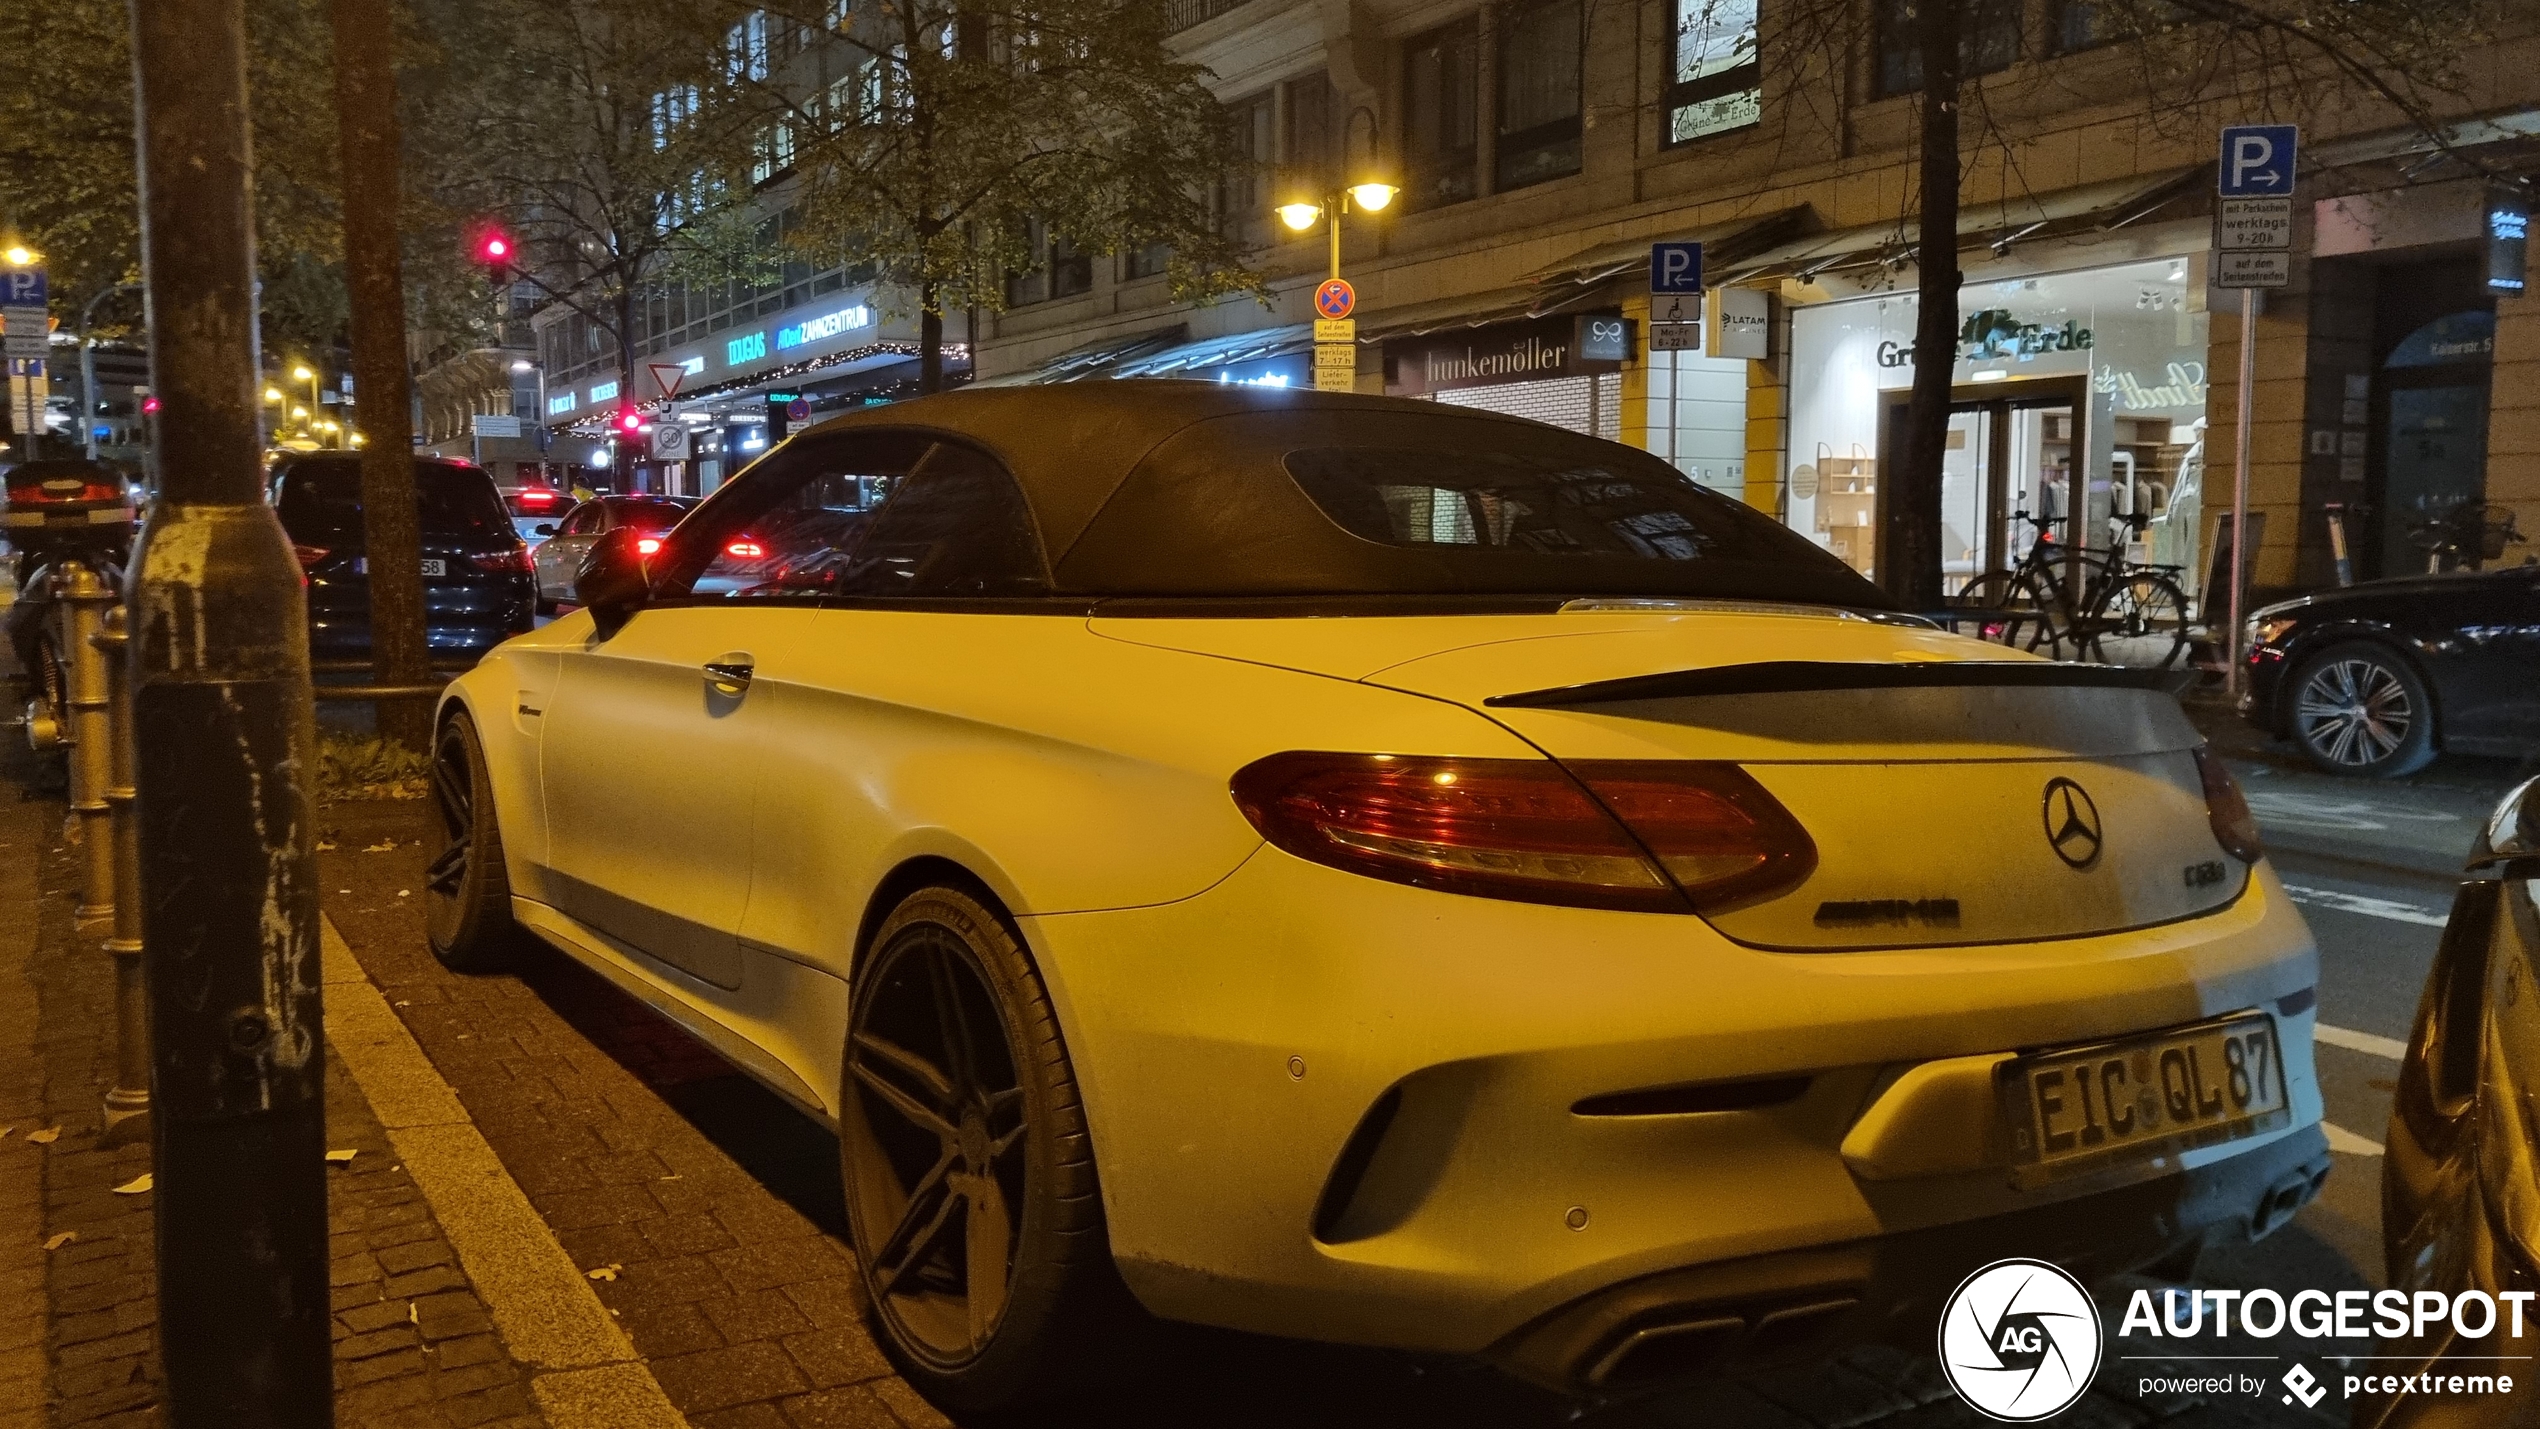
(413, 1346)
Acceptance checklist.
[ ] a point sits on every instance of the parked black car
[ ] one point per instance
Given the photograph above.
(2375, 679)
(2461, 1173)
(477, 586)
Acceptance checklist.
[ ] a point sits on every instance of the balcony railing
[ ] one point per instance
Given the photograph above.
(1182, 14)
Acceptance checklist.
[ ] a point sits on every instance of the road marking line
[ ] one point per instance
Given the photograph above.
(2340, 1139)
(2389, 908)
(584, 1371)
(2353, 1041)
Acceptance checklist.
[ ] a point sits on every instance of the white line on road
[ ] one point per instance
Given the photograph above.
(2340, 1139)
(2389, 908)
(2353, 1041)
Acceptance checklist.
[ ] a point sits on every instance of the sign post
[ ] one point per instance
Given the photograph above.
(2253, 249)
(1335, 337)
(24, 331)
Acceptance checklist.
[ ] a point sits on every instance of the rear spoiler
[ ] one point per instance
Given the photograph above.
(1774, 677)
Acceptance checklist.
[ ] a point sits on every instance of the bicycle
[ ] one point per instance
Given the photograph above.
(2465, 536)
(2123, 613)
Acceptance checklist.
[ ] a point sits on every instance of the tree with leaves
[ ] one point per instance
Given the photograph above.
(961, 126)
(2182, 66)
(615, 146)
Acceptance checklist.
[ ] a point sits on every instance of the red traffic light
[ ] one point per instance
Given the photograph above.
(149, 406)
(494, 248)
(630, 421)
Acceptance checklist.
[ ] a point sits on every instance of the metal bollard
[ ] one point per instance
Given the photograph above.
(84, 599)
(128, 1102)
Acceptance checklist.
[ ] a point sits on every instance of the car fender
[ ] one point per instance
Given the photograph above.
(505, 696)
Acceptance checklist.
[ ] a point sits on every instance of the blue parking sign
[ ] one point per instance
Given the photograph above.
(1675, 269)
(21, 287)
(2257, 161)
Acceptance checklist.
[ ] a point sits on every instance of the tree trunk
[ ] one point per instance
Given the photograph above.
(366, 113)
(930, 342)
(1910, 565)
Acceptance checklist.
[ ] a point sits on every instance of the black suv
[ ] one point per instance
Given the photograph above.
(477, 586)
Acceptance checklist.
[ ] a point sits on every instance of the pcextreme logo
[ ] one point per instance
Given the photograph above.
(2019, 1340)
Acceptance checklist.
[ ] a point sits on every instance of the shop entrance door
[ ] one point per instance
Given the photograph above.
(2013, 447)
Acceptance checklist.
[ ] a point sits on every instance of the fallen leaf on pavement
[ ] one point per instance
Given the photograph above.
(402, 892)
(57, 1242)
(135, 1186)
(326, 846)
(386, 846)
(605, 1272)
(342, 1158)
(46, 1137)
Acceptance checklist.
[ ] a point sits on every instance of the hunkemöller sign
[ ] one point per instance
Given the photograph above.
(1528, 350)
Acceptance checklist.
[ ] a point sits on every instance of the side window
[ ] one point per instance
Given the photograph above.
(956, 527)
(787, 527)
(584, 520)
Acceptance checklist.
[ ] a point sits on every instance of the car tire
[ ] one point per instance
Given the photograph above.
(2358, 709)
(467, 899)
(962, 1139)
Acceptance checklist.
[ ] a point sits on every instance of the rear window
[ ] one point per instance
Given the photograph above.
(1539, 504)
(321, 502)
(649, 517)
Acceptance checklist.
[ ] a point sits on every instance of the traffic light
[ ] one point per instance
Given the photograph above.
(629, 422)
(495, 249)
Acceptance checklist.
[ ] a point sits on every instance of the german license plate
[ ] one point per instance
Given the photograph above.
(432, 566)
(2080, 1109)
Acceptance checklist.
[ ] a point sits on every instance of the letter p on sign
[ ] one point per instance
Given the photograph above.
(2257, 161)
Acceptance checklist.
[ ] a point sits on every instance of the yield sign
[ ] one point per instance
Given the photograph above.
(666, 376)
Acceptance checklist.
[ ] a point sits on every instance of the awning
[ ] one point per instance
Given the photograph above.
(1218, 352)
(1089, 360)
(2088, 208)
(1722, 244)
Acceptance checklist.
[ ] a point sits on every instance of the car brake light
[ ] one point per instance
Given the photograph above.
(646, 545)
(745, 549)
(515, 559)
(2227, 809)
(307, 556)
(536, 499)
(1528, 830)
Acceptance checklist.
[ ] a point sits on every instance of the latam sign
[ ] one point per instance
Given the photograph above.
(825, 326)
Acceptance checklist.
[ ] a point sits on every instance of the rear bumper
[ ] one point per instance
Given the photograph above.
(1724, 1317)
(1335, 1108)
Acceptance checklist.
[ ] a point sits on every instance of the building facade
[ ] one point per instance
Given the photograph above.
(1543, 145)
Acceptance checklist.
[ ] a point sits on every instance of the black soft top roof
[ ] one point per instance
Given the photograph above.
(1159, 487)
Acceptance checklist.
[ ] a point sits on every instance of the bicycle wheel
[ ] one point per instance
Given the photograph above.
(1988, 592)
(2139, 622)
(2046, 619)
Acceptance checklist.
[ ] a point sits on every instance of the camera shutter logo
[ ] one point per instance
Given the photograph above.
(2019, 1341)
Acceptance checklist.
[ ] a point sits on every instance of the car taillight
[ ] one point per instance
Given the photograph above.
(1529, 830)
(307, 556)
(1720, 835)
(745, 549)
(515, 559)
(2235, 828)
(646, 545)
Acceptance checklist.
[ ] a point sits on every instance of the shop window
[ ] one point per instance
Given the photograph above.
(1307, 147)
(1441, 85)
(1243, 194)
(1540, 48)
(1988, 41)
(1715, 80)
(1071, 269)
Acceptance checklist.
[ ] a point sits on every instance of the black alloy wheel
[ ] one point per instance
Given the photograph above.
(969, 1174)
(467, 904)
(2358, 709)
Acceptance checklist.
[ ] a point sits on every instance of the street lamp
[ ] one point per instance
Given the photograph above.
(1373, 191)
(304, 374)
(21, 256)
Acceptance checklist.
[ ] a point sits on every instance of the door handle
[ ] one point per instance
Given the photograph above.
(731, 673)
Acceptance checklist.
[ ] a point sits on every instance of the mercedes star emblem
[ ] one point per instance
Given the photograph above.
(2072, 823)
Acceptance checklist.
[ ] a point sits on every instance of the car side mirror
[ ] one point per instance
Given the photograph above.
(544, 528)
(610, 582)
(2511, 834)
